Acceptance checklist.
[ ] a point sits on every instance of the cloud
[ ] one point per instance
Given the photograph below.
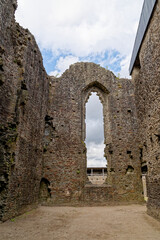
(94, 120)
(94, 131)
(95, 155)
(63, 63)
(125, 66)
(82, 28)
(92, 104)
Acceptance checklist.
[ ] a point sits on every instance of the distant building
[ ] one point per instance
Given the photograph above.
(97, 175)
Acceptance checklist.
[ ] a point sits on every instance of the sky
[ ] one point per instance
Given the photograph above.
(95, 132)
(70, 31)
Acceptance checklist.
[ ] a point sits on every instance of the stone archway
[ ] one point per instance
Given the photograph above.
(102, 93)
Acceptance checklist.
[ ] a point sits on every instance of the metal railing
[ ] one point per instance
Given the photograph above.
(96, 174)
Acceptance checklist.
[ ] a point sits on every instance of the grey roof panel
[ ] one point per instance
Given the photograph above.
(146, 13)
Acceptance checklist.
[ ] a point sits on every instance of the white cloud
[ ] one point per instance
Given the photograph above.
(93, 104)
(94, 120)
(95, 155)
(54, 73)
(80, 27)
(125, 66)
(63, 63)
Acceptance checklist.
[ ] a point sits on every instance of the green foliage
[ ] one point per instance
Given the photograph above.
(12, 126)
(44, 149)
(57, 75)
(118, 76)
(83, 143)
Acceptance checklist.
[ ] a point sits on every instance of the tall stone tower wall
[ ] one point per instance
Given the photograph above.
(146, 77)
(23, 102)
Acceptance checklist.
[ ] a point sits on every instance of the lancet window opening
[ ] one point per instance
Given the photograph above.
(94, 129)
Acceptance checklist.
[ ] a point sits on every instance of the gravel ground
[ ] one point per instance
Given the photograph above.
(77, 223)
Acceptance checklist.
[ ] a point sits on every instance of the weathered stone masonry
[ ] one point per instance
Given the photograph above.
(23, 103)
(65, 155)
(42, 126)
(146, 77)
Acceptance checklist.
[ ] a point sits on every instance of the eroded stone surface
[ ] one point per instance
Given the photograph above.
(23, 102)
(65, 155)
(147, 94)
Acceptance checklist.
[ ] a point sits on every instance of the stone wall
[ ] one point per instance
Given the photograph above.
(23, 103)
(42, 128)
(146, 76)
(65, 151)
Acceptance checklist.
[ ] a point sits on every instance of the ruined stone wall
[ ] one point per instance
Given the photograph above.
(146, 77)
(123, 151)
(65, 151)
(23, 102)
(42, 128)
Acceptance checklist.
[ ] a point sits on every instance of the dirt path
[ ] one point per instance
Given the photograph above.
(87, 223)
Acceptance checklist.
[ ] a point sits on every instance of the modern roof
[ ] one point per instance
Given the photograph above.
(146, 14)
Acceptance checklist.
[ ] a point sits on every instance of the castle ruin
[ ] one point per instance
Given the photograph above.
(42, 123)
